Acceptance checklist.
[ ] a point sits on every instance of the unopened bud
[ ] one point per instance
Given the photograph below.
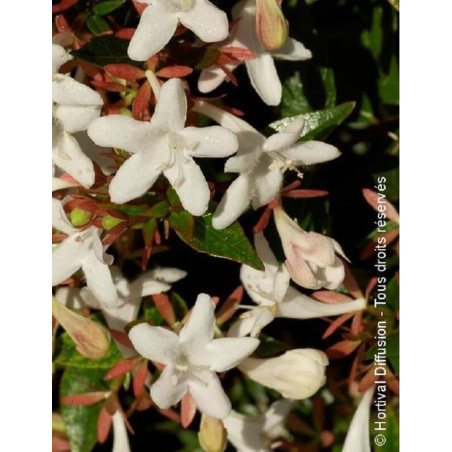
(272, 28)
(212, 434)
(79, 217)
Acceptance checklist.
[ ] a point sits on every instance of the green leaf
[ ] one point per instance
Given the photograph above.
(107, 7)
(67, 355)
(97, 24)
(154, 315)
(269, 347)
(149, 229)
(229, 243)
(179, 305)
(392, 294)
(81, 421)
(395, 4)
(392, 183)
(106, 49)
(183, 223)
(391, 349)
(388, 85)
(159, 210)
(318, 124)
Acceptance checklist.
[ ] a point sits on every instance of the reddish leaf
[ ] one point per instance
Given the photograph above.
(104, 422)
(393, 381)
(229, 307)
(68, 178)
(367, 381)
(60, 444)
(229, 74)
(369, 250)
(351, 284)
(61, 24)
(140, 105)
(357, 324)
(140, 7)
(87, 398)
(125, 33)
(152, 62)
(125, 71)
(372, 199)
(163, 305)
(122, 367)
(63, 5)
(144, 402)
(114, 233)
(187, 410)
(239, 53)
(140, 378)
(341, 349)
(122, 338)
(109, 86)
(170, 414)
(303, 193)
(174, 71)
(263, 221)
(331, 297)
(336, 324)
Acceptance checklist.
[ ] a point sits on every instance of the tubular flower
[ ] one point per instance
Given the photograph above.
(160, 19)
(165, 146)
(75, 106)
(261, 69)
(261, 162)
(311, 257)
(192, 359)
(274, 297)
(297, 374)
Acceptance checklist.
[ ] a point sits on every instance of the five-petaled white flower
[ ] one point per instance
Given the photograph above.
(310, 257)
(255, 434)
(151, 282)
(163, 145)
(261, 162)
(82, 249)
(192, 359)
(261, 69)
(160, 19)
(271, 291)
(75, 106)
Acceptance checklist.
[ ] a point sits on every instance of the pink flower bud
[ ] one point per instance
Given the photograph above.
(311, 257)
(271, 26)
(91, 338)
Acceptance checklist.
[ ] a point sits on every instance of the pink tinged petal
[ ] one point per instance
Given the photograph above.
(168, 389)
(67, 155)
(214, 141)
(59, 184)
(120, 438)
(332, 276)
(156, 27)
(358, 438)
(299, 306)
(154, 343)
(210, 397)
(59, 218)
(234, 202)
(208, 22)
(311, 152)
(292, 50)
(199, 329)
(189, 183)
(99, 280)
(225, 353)
(338, 249)
(268, 183)
(67, 259)
(286, 137)
(68, 91)
(75, 118)
(300, 272)
(171, 110)
(315, 248)
(122, 132)
(137, 175)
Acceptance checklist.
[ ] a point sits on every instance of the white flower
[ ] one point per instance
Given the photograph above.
(82, 249)
(163, 145)
(192, 359)
(261, 69)
(311, 257)
(255, 434)
(75, 105)
(358, 439)
(271, 291)
(151, 282)
(120, 438)
(261, 162)
(297, 374)
(160, 19)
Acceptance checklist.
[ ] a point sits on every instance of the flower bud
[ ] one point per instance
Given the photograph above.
(212, 434)
(298, 374)
(92, 340)
(271, 26)
(311, 257)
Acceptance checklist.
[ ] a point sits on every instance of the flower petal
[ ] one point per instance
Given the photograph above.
(122, 132)
(286, 137)
(76, 118)
(332, 275)
(311, 152)
(208, 22)
(59, 218)
(292, 50)
(245, 432)
(213, 141)
(190, 184)
(120, 438)
(199, 329)
(70, 297)
(171, 109)
(276, 414)
(157, 26)
(300, 272)
(67, 259)
(226, 352)
(167, 391)
(264, 79)
(268, 183)
(252, 322)
(68, 91)
(154, 342)
(210, 397)
(212, 77)
(59, 57)
(234, 202)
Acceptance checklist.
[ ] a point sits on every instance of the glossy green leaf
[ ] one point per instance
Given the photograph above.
(318, 124)
(96, 24)
(107, 7)
(106, 49)
(67, 355)
(183, 223)
(392, 294)
(81, 421)
(229, 243)
(149, 229)
(269, 347)
(159, 210)
(154, 316)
